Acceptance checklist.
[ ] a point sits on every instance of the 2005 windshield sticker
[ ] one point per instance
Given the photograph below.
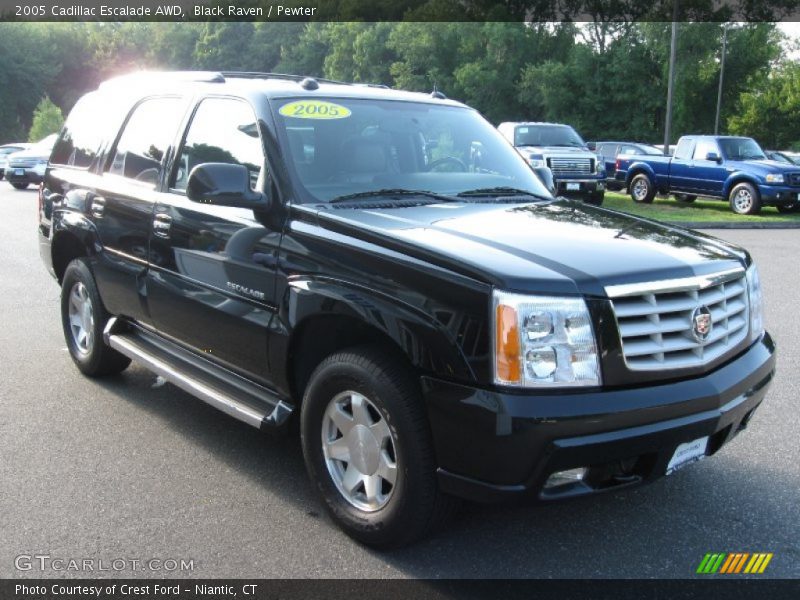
(314, 109)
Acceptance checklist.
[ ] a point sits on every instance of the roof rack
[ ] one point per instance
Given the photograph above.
(180, 76)
(260, 75)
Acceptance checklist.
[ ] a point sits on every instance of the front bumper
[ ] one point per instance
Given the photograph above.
(495, 445)
(584, 186)
(24, 174)
(778, 194)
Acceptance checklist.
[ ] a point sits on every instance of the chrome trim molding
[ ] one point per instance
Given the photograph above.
(686, 284)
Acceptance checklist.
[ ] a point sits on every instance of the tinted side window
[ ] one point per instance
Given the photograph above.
(704, 147)
(222, 130)
(684, 149)
(82, 134)
(145, 139)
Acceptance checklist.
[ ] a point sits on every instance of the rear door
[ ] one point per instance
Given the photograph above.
(212, 287)
(121, 202)
(681, 168)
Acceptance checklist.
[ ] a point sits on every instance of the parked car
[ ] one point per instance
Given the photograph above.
(576, 170)
(728, 168)
(7, 149)
(609, 151)
(436, 327)
(28, 166)
(670, 149)
(783, 157)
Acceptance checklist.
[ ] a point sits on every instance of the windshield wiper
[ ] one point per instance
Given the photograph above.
(501, 192)
(389, 193)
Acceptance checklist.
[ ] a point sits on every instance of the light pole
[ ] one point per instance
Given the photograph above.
(721, 75)
(671, 77)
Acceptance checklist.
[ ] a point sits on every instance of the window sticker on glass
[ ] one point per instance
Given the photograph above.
(314, 109)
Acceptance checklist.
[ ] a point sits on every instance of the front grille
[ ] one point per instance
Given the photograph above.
(793, 179)
(22, 163)
(571, 166)
(657, 328)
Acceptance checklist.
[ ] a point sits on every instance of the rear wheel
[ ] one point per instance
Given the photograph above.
(687, 198)
(20, 186)
(642, 189)
(744, 199)
(368, 448)
(83, 318)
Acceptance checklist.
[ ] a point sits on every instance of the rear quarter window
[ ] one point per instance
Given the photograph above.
(88, 124)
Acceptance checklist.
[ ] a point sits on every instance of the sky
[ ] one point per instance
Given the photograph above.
(793, 31)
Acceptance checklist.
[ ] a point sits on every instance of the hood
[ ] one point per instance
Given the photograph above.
(764, 166)
(568, 150)
(558, 247)
(36, 153)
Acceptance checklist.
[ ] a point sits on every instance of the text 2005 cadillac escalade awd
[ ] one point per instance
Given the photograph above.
(294, 250)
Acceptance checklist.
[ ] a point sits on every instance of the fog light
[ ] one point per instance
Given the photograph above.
(565, 477)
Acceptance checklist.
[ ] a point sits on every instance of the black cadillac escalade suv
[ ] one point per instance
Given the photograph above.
(383, 270)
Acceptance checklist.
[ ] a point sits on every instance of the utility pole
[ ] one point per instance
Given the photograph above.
(671, 79)
(721, 75)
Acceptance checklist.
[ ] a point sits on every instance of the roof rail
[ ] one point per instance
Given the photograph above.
(140, 77)
(260, 75)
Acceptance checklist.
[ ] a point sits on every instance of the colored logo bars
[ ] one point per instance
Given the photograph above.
(734, 562)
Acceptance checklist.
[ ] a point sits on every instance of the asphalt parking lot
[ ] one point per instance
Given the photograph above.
(125, 468)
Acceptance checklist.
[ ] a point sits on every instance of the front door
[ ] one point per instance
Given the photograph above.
(213, 285)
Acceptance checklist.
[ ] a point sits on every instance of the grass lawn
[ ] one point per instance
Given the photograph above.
(669, 209)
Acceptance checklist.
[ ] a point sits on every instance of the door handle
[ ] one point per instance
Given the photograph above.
(162, 224)
(98, 206)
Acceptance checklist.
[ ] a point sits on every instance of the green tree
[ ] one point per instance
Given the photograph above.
(47, 119)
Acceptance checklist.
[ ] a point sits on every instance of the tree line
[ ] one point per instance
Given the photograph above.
(607, 79)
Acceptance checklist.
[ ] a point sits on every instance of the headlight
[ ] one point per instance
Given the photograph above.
(543, 341)
(756, 303)
(774, 177)
(536, 162)
(599, 165)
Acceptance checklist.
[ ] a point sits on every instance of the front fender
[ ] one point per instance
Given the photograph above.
(428, 345)
(738, 177)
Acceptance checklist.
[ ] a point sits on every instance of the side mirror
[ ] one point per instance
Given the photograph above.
(713, 156)
(223, 184)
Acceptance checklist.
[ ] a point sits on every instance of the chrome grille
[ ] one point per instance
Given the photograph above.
(21, 163)
(656, 324)
(571, 166)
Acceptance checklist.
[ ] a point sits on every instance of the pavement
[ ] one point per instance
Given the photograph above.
(131, 469)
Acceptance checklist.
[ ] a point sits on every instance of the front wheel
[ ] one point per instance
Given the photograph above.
(20, 186)
(83, 318)
(368, 448)
(642, 189)
(744, 199)
(788, 208)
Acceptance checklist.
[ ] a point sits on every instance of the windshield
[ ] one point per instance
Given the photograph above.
(741, 149)
(547, 135)
(339, 147)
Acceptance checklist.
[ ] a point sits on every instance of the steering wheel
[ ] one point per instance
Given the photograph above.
(462, 167)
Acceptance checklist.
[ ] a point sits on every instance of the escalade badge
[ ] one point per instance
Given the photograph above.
(701, 323)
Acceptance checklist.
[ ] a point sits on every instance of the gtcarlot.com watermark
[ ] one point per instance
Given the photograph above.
(45, 563)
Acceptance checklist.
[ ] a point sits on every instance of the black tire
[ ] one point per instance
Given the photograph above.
(19, 186)
(788, 208)
(595, 199)
(685, 198)
(642, 189)
(744, 199)
(414, 505)
(90, 353)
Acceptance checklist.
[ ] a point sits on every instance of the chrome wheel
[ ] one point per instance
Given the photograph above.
(81, 318)
(743, 200)
(640, 190)
(360, 451)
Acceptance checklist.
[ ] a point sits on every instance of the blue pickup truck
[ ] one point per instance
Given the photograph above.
(734, 169)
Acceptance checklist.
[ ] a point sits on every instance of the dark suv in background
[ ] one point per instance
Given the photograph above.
(383, 271)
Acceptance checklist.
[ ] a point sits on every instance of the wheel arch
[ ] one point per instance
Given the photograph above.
(325, 317)
(735, 179)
